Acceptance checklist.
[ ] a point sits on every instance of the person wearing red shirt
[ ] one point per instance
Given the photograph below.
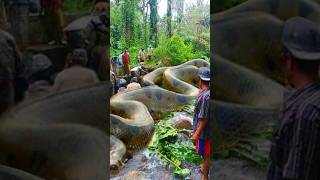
(126, 62)
(54, 20)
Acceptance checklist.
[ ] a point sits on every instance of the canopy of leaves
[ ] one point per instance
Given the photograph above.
(190, 32)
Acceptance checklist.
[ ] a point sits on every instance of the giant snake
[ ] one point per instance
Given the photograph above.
(58, 136)
(131, 120)
(247, 98)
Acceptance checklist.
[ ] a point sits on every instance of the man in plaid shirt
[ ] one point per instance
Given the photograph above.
(295, 150)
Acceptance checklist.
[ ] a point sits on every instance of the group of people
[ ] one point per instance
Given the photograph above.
(38, 76)
(124, 60)
(145, 56)
(43, 80)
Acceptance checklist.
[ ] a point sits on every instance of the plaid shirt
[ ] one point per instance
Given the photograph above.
(202, 112)
(297, 141)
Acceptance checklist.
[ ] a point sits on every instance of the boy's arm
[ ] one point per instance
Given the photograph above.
(203, 119)
(196, 135)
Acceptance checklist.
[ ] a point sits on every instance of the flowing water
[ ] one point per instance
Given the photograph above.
(145, 166)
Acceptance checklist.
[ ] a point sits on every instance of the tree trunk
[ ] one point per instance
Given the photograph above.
(169, 18)
(179, 6)
(153, 22)
(128, 17)
(144, 12)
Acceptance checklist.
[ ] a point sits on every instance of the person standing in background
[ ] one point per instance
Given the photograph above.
(53, 20)
(149, 53)
(100, 7)
(126, 62)
(141, 55)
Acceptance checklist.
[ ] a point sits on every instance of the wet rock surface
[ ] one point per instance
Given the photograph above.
(143, 166)
(146, 167)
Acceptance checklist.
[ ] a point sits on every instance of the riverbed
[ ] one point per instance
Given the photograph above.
(145, 166)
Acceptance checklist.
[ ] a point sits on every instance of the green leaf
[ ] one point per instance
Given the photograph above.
(182, 172)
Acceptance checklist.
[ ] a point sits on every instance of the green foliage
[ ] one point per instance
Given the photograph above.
(76, 6)
(129, 31)
(173, 51)
(125, 29)
(164, 143)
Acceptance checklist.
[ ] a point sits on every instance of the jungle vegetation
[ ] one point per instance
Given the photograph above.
(181, 34)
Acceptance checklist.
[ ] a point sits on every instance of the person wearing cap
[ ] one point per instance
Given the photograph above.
(122, 85)
(296, 142)
(40, 80)
(77, 75)
(200, 135)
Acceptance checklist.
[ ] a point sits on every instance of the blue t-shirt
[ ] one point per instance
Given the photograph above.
(201, 112)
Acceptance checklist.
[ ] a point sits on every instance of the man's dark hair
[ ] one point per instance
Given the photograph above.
(305, 65)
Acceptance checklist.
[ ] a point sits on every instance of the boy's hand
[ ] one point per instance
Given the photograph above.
(195, 138)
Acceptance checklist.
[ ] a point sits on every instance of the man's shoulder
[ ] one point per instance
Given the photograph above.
(204, 95)
(310, 107)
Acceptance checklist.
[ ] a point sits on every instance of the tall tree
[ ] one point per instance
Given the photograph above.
(179, 7)
(169, 18)
(153, 22)
(144, 11)
(129, 16)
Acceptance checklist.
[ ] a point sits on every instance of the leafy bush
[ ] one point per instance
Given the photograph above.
(164, 143)
(173, 51)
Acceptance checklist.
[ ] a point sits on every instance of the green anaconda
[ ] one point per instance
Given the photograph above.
(131, 120)
(249, 36)
(253, 99)
(59, 136)
(250, 33)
